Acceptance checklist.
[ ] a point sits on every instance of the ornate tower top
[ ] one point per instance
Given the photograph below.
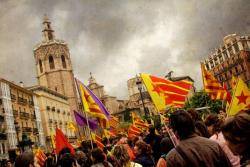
(48, 32)
(91, 79)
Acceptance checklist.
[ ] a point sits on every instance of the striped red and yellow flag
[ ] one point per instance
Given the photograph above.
(133, 131)
(214, 89)
(165, 92)
(114, 122)
(40, 158)
(138, 122)
(98, 140)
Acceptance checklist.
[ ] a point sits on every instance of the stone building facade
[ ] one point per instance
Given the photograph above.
(232, 58)
(112, 104)
(54, 67)
(55, 113)
(21, 116)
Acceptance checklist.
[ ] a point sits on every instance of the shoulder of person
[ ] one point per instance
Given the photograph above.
(133, 164)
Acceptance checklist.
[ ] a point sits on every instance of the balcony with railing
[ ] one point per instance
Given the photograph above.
(24, 115)
(22, 101)
(27, 129)
(35, 131)
(13, 97)
(31, 103)
(32, 116)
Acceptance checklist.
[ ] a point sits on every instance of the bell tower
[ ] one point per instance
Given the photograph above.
(53, 65)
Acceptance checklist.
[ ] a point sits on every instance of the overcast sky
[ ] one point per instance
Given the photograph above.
(117, 39)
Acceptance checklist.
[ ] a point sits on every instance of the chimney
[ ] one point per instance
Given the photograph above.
(21, 84)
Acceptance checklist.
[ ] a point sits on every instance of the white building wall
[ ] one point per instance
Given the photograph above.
(39, 122)
(9, 118)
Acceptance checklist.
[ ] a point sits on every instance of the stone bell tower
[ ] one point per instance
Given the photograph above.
(53, 64)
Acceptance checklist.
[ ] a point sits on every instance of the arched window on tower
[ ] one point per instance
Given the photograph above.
(63, 61)
(40, 65)
(51, 63)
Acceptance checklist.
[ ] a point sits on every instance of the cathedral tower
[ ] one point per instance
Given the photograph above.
(53, 64)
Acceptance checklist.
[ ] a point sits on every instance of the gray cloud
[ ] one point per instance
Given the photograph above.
(117, 39)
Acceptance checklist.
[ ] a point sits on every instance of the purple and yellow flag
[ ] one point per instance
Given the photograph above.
(82, 121)
(92, 105)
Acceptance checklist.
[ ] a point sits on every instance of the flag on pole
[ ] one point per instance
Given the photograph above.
(113, 122)
(133, 131)
(165, 92)
(52, 138)
(92, 105)
(39, 158)
(82, 121)
(98, 140)
(138, 122)
(212, 86)
(62, 142)
(108, 133)
(240, 99)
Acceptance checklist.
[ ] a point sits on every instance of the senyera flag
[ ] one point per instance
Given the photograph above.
(165, 92)
(213, 88)
(92, 105)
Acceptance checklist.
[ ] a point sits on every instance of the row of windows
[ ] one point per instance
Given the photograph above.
(232, 72)
(52, 63)
(219, 55)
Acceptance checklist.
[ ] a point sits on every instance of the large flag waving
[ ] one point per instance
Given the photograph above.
(240, 99)
(165, 92)
(212, 86)
(62, 142)
(92, 105)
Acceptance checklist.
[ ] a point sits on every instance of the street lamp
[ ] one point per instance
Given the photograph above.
(139, 85)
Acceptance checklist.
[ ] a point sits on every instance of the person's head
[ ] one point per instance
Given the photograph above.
(213, 124)
(182, 124)
(194, 114)
(236, 131)
(80, 157)
(8, 163)
(121, 155)
(142, 148)
(166, 145)
(65, 150)
(97, 156)
(25, 159)
(67, 160)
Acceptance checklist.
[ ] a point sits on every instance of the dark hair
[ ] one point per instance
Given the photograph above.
(237, 129)
(99, 156)
(182, 122)
(213, 120)
(166, 145)
(152, 130)
(194, 114)
(25, 159)
(67, 160)
(143, 147)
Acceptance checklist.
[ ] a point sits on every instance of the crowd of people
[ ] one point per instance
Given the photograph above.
(214, 142)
